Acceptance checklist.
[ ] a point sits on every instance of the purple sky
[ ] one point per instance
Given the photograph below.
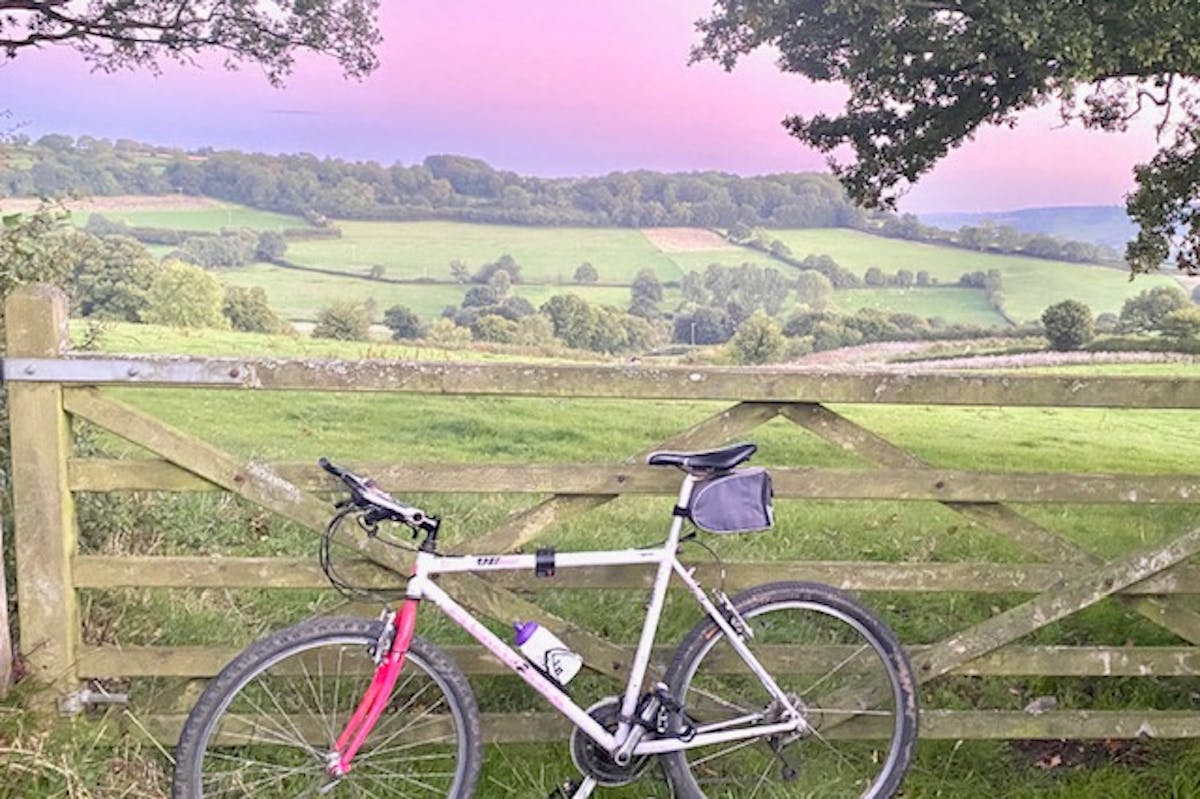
(546, 87)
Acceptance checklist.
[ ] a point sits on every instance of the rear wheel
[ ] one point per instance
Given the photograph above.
(838, 664)
(266, 725)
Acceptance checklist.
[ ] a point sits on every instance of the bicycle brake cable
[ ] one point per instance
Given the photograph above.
(695, 539)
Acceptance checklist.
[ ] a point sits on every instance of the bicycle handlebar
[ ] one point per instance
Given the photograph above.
(379, 504)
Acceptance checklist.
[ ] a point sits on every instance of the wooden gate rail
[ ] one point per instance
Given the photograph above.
(47, 388)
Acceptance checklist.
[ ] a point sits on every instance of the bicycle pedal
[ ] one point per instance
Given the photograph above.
(564, 791)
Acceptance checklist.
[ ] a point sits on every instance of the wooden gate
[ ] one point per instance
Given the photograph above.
(47, 388)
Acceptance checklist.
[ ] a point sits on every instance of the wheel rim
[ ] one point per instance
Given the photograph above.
(842, 679)
(271, 734)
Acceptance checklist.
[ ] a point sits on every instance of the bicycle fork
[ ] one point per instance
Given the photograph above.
(378, 693)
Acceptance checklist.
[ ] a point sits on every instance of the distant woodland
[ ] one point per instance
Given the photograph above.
(459, 188)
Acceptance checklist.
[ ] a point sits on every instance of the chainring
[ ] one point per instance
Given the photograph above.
(593, 761)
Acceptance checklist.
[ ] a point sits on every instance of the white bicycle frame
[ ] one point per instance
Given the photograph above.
(626, 741)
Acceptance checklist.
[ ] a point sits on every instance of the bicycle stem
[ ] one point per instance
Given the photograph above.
(378, 693)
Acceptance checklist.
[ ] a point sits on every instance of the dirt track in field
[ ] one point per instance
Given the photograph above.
(685, 239)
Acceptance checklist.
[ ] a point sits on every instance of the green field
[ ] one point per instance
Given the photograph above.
(209, 220)
(425, 249)
(951, 305)
(299, 295)
(125, 337)
(1030, 284)
(700, 260)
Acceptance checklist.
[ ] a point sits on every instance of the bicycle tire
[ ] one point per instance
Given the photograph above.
(229, 747)
(870, 673)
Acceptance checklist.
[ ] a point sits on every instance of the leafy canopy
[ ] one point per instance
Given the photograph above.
(137, 33)
(924, 75)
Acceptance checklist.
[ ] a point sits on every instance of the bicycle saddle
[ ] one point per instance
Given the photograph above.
(710, 460)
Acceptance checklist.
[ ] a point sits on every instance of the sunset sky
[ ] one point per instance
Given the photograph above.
(546, 88)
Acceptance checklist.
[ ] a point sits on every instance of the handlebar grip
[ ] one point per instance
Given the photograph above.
(329, 467)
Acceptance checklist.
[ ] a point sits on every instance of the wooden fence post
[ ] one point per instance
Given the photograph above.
(7, 664)
(43, 510)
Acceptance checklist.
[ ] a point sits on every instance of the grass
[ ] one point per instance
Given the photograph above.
(209, 220)
(1030, 284)
(699, 261)
(951, 305)
(300, 295)
(425, 250)
(125, 337)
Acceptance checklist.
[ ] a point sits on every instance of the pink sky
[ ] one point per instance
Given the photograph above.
(547, 88)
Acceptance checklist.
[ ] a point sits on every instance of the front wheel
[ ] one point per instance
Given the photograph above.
(266, 725)
(841, 667)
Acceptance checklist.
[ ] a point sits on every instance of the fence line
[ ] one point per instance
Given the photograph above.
(47, 389)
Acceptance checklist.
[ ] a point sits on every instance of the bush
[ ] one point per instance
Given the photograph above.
(403, 322)
(758, 340)
(1146, 311)
(1068, 325)
(586, 273)
(184, 295)
(343, 321)
(247, 310)
(1183, 324)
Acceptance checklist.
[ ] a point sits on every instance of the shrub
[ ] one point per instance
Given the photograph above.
(247, 310)
(758, 340)
(1068, 325)
(1146, 311)
(586, 273)
(343, 321)
(184, 295)
(1183, 324)
(403, 322)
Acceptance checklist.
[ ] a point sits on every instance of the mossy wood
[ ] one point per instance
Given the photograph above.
(631, 381)
(46, 388)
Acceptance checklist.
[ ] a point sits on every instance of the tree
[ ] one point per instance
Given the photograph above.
(138, 33)
(586, 273)
(1144, 313)
(572, 319)
(270, 246)
(534, 330)
(110, 277)
(874, 277)
(813, 289)
(493, 327)
(184, 295)
(758, 340)
(701, 325)
(343, 321)
(1183, 324)
(445, 332)
(33, 249)
(924, 77)
(403, 322)
(1068, 325)
(459, 271)
(247, 310)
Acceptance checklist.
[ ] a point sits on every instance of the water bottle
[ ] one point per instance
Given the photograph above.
(547, 652)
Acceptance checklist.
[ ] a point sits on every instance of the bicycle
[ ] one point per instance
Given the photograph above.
(788, 689)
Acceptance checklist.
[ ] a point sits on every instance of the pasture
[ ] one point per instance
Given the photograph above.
(415, 250)
(951, 305)
(1030, 284)
(300, 295)
(416, 429)
(180, 212)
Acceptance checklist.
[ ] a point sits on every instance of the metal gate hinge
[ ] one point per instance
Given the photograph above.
(76, 702)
